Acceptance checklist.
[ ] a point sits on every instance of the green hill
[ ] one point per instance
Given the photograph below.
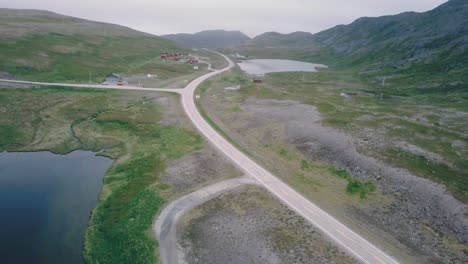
(41, 45)
(418, 50)
(210, 39)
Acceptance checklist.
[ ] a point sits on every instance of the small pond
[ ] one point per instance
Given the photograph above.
(263, 66)
(45, 203)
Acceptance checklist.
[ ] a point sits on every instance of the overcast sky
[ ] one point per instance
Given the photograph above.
(249, 16)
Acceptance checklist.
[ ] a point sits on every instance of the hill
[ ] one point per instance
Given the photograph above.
(423, 50)
(407, 38)
(41, 45)
(296, 45)
(210, 39)
(278, 40)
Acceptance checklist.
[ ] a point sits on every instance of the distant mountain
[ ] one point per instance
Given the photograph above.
(278, 40)
(428, 49)
(210, 39)
(401, 40)
(296, 45)
(41, 45)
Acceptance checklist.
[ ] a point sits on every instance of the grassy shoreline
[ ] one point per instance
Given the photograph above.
(124, 127)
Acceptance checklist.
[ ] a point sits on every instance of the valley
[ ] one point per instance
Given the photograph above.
(344, 146)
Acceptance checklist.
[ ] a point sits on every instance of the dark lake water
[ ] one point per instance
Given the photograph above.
(45, 204)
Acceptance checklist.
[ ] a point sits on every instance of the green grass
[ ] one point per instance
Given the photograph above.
(202, 90)
(431, 121)
(354, 186)
(37, 57)
(455, 180)
(10, 136)
(125, 127)
(216, 61)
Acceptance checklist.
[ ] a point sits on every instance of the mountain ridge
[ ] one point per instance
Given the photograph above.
(209, 39)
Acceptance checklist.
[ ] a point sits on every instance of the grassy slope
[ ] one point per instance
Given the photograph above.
(423, 102)
(301, 166)
(39, 45)
(126, 127)
(430, 122)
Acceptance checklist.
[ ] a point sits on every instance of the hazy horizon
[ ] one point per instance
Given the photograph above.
(252, 18)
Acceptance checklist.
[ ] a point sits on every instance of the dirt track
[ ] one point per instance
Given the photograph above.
(165, 226)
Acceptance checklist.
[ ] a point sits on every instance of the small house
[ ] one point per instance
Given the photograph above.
(257, 81)
(113, 79)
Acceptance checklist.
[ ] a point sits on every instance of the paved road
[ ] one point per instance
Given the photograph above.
(96, 86)
(343, 236)
(165, 226)
(349, 240)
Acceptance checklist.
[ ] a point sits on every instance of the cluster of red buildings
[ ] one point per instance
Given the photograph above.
(191, 61)
(175, 56)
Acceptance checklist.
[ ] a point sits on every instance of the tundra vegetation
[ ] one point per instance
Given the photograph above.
(45, 46)
(123, 126)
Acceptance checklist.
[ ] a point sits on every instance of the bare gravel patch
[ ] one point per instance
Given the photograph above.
(198, 169)
(248, 225)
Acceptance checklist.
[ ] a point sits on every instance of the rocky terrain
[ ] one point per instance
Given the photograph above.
(420, 208)
(199, 169)
(415, 219)
(248, 225)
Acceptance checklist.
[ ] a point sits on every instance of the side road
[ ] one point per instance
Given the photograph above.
(350, 241)
(96, 86)
(165, 226)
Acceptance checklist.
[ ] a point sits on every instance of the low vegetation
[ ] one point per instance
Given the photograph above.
(425, 133)
(286, 156)
(354, 186)
(44, 46)
(435, 123)
(123, 126)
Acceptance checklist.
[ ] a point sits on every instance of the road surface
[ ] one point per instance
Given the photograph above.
(350, 241)
(96, 86)
(165, 226)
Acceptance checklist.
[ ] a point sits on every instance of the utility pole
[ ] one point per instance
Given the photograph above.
(89, 77)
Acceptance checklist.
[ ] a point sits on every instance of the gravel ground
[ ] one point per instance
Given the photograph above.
(198, 169)
(421, 210)
(165, 228)
(248, 225)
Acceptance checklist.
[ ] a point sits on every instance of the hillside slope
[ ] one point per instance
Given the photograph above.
(209, 39)
(41, 45)
(416, 50)
(403, 39)
(279, 40)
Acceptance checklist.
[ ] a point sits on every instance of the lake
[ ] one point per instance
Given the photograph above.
(45, 203)
(263, 66)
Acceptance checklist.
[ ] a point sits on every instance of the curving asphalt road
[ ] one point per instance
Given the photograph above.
(350, 241)
(343, 236)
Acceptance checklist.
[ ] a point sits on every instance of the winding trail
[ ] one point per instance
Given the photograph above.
(350, 241)
(165, 226)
